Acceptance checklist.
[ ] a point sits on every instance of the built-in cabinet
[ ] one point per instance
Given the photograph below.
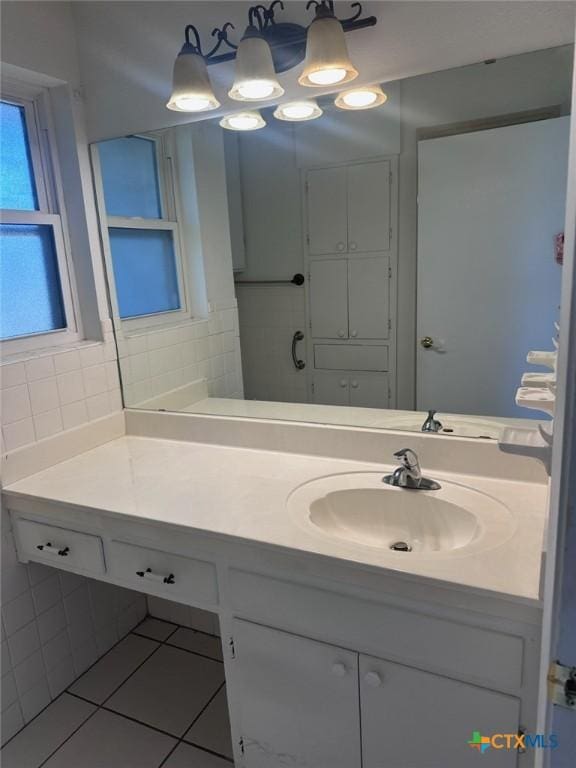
(351, 261)
(313, 704)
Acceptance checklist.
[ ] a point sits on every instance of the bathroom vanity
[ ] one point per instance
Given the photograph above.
(339, 651)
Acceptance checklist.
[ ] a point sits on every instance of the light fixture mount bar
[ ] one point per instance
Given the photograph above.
(287, 40)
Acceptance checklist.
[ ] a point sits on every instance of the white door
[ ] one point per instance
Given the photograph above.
(369, 201)
(329, 299)
(327, 211)
(369, 390)
(369, 298)
(331, 388)
(414, 719)
(298, 700)
(489, 205)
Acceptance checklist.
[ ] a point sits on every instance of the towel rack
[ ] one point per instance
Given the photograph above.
(298, 279)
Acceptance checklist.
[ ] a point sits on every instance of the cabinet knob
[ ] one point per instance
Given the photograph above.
(373, 679)
(340, 246)
(355, 384)
(341, 333)
(343, 383)
(339, 670)
(354, 334)
(353, 246)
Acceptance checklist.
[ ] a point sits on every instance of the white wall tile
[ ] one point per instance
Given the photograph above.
(74, 414)
(95, 380)
(33, 701)
(48, 424)
(56, 649)
(11, 375)
(39, 368)
(17, 613)
(29, 672)
(93, 355)
(43, 395)
(23, 643)
(51, 622)
(67, 361)
(12, 721)
(61, 676)
(9, 690)
(15, 404)
(98, 406)
(18, 434)
(71, 387)
(47, 593)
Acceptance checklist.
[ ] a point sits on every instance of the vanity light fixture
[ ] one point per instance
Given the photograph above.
(361, 97)
(255, 76)
(296, 111)
(327, 60)
(243, 121)
(267, 47)
(191, 88)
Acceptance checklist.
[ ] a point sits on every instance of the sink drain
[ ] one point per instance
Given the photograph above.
(401, 546)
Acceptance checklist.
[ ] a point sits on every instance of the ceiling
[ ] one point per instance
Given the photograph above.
(127, 49)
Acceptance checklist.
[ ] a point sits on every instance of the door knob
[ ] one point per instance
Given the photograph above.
(373, 679)
(343, 382)
(340, 246)
(338, 669)
(354, 384)
(353, 246)
(341, 333)
(354, 334)
(427, 342)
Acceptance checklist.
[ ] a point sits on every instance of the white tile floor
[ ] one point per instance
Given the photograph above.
(156, 699)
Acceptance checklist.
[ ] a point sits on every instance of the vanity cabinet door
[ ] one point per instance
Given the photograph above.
(327, 211)
(369, 298)
(329, 298)
(414, 719)
(369, 187)
(331, 388)
(296, 700)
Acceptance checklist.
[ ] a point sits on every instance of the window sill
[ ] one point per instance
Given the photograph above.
(34, 354)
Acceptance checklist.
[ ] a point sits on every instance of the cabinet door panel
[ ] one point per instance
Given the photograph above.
(298, 700)
(331, 389)
(369, 207)
(369, 390)
(327, 211)
(369, 298)
(329, 299)
(414, 719)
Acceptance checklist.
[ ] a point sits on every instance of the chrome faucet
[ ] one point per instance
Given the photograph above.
(432, 424)
(409, 475)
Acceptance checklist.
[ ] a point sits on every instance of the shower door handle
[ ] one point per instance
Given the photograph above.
(298, 364)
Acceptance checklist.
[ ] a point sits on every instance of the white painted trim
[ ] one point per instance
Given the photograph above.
(563, 450)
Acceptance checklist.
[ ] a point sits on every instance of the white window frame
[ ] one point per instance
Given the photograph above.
(169, 221)
(49, 190)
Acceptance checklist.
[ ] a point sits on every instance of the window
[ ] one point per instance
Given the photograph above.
(35, 297)
(143, 242)
(35, 293)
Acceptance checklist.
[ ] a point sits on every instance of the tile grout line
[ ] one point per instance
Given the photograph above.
(111, 711)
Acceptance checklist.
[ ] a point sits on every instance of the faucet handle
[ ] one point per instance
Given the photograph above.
(408, 457)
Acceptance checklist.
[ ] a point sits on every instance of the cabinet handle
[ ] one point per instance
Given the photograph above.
(339, 670)
(341, 333)
(355, 385)
(353, 246)
(298, 364)
(354, 334)
(343, 383)
(157, 577)
(373, 679)
(53, 549)
(340, 246)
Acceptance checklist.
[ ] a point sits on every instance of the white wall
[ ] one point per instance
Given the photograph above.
(127, 49)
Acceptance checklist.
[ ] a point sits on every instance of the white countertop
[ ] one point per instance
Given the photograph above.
(242, 493)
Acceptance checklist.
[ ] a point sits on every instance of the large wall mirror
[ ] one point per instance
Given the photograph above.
(361, 268)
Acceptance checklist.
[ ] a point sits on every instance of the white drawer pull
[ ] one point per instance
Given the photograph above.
(373, 679)
(147, 574)
(53, 549)
(339, 670)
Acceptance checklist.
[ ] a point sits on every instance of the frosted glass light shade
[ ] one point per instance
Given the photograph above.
(296, 111)
(361, 97)
(255, 78)
(243, 121)
(327, 60)
(191, 89)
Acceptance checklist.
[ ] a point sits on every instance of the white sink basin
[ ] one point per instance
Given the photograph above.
(360, 509)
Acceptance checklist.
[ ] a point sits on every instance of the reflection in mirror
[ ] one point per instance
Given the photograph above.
(365, 268)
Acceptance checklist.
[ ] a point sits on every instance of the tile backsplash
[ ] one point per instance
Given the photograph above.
(58, 390)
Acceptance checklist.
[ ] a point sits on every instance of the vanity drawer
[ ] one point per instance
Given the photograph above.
(163, 573)
(60, 547)
(351, 357)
